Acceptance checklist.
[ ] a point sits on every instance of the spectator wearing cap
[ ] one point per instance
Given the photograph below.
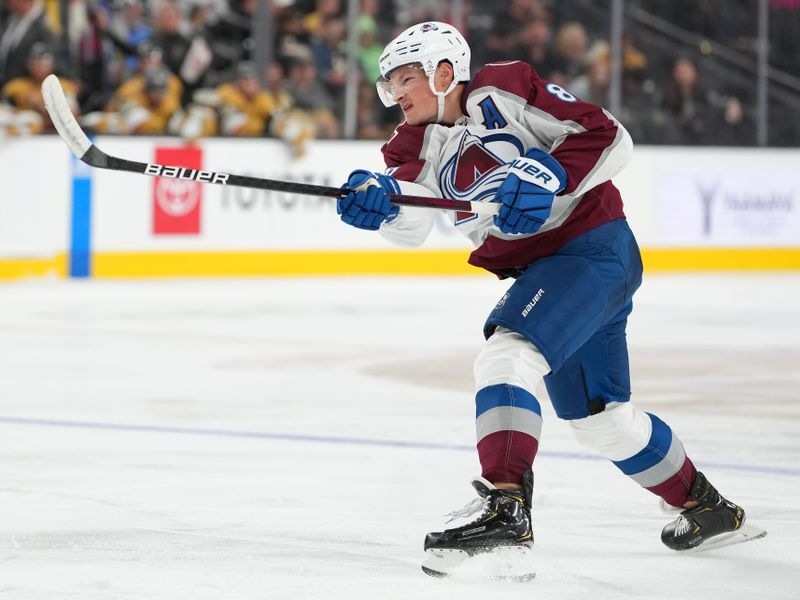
(24, 27)
(24, 94)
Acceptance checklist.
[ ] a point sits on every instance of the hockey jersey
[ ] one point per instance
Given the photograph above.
(508, 110)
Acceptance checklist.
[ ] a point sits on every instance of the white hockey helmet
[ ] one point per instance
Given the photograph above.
(428, 44)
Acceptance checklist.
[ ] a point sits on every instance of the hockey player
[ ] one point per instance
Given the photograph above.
(510, 137)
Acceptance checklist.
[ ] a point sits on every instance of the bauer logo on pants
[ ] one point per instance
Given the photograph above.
(177, 202)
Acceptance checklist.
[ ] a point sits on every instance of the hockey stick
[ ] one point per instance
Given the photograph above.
(71, 132)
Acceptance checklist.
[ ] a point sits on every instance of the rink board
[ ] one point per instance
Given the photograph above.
(691, 208)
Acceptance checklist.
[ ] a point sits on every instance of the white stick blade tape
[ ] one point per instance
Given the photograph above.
(61, 115)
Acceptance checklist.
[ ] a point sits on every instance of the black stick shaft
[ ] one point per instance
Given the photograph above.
(97, 158)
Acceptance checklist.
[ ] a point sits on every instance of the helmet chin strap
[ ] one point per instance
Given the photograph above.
(440, 98)
(440, 109)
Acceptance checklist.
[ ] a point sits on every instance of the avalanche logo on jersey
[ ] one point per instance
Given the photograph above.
(476, 169)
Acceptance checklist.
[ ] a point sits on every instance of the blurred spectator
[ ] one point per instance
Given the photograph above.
(325, 9)
(292, 125)
(633, 59)
(311, 96)
(293, 38)
(95, 59)
(592, 85)
(572, 42)
(230, 36)
(169, 35)
(687, 101)
(661, 102)
(24, 95)
(502, 43)
(188, 55)
(641, 114)
(370, 47)
(520, 11)
(276, 87)
(329, 60)
(536, 37)
(368, 118)
(784, 25)
(128, 26)
(372, 9)
(732, 126)
(142, 105)
(24, 26)
(238, 108)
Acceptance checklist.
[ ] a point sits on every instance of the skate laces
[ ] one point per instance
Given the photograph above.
(683, 526)
(473, 507)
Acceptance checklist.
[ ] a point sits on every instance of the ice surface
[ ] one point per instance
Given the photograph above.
(296, 438)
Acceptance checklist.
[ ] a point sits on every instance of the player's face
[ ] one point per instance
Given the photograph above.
(412, 92)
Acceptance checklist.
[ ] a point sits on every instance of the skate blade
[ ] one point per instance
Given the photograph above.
(442, 563)
(511, 563)
(746, 533)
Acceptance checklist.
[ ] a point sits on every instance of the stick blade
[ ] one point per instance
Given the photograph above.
(58, 108)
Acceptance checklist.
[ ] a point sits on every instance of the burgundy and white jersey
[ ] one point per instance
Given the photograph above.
(509, 109)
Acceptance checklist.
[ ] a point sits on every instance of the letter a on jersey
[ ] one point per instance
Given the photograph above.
(492, 117)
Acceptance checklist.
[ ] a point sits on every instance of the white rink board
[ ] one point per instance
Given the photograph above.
(34, 190)
(237, 218)
(674, 198)
(713, 197)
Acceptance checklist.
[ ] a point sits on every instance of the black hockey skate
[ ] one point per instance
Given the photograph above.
(713, 523)
(501, 534)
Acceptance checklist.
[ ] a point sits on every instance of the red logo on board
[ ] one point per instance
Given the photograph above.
(177, 202)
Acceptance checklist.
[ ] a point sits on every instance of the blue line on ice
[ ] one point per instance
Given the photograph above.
(324, 439)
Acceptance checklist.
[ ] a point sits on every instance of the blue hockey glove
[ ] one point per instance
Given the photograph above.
(527, 193)
(368, 206)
